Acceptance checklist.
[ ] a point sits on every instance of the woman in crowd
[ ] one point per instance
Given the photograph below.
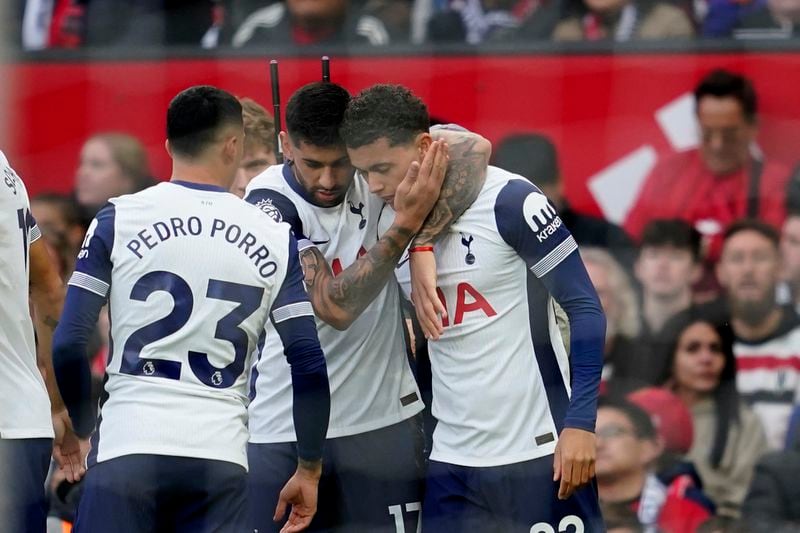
(111, 164)
(728, 437)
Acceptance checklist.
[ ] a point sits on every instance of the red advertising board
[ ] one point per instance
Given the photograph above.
(597, 108)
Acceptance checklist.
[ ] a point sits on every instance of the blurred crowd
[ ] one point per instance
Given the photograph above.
(41, 24)
(698, 427)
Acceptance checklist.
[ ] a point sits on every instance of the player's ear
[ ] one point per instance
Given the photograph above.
(167, 147)
(423, 142)
(286, 144)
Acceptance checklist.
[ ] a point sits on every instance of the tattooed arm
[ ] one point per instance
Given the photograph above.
(339, 300)
(47, 296)
(466, 174)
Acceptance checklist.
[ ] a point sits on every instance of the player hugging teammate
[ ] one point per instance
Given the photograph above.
(252, 344)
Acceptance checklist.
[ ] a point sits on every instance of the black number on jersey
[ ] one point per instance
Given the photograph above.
(248, 298)
(25, 220)
(10, 179)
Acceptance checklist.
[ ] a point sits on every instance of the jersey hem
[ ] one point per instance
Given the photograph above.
(461, 460)
(335, 433)
(28, 433)
(240, 460)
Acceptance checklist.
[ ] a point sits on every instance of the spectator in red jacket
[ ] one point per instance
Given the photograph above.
(628, 448)
(722, 180)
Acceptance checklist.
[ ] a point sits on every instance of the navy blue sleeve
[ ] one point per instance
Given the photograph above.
(278, 207)
(529, 223)
(70, 361)
(86, 294)
(293, 318)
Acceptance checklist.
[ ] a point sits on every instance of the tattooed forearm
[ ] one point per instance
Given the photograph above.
(466, 174)
(338, 300)
(50, 322)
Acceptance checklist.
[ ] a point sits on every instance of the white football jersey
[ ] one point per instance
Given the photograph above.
(24, 404)
(192, 274)
(371, 382)
(501, 374)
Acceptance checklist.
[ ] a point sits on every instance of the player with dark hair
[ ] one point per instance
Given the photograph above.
(372, 473)
(34, 422)
(192, 277)
(515, 412)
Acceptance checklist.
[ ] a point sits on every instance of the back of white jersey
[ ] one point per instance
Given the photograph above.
(24, 405)
(371, 382)
(194, 273)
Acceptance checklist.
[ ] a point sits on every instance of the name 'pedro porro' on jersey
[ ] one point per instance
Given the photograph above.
(193, 275)
(500, 371)
(371, 382)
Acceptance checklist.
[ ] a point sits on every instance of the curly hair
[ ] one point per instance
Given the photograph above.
(384, 111)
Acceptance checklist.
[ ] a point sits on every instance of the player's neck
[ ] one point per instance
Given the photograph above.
(204, 174)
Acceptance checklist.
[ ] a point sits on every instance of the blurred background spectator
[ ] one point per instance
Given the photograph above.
(147, 22)
(778, 19)
(59, 219)
(622, 315)
(767, 334)
(308, 22)
(622, 20)
(628, 451)
(726, 178)
(773, 502)
(789, 288)
(534, 157)
(667, 267)
(111, 164)
(477, 21)
(259, 145)
(728, 437)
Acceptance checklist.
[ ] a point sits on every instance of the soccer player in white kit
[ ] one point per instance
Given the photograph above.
(31, 407)
(372, 466)
(514, 442)
(192, 275)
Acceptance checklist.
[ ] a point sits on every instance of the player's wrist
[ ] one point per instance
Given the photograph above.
(309, 468)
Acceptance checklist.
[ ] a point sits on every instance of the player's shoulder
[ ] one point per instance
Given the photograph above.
(271, 178)
(508, 188)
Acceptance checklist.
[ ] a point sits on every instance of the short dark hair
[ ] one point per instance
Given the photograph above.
(390, 111)
(722, 83)
(530, 155)
(672, 232)
(195, 116)
(752, 224)
(314, 114)
(639, 418)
